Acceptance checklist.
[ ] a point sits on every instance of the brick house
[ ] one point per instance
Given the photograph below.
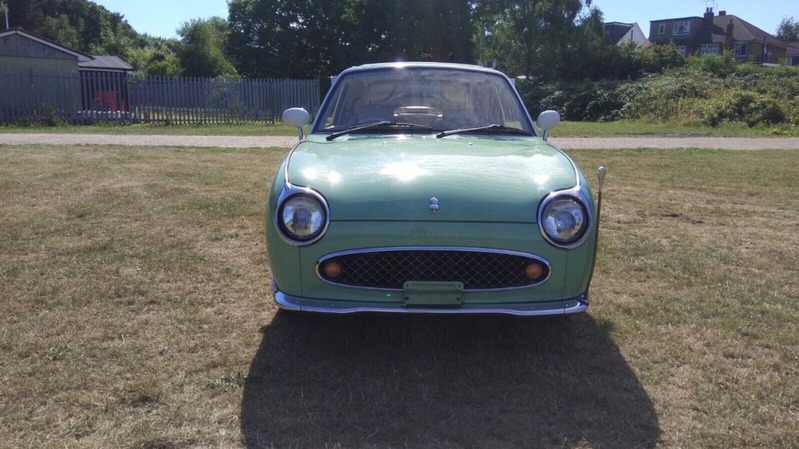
(712, 34)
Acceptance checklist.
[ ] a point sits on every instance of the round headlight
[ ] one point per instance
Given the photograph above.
(302, 218)
(564, 221)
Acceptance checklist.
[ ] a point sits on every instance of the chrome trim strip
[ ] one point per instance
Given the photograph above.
(563, 307)
(432, 249)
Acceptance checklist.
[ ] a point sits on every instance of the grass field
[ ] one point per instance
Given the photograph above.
(135, 312)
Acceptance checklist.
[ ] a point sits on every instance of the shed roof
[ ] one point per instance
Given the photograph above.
(105, 63)
(81, 57)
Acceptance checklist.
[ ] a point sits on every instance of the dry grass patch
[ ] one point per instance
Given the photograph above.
(129, 278)
(135, 312)
(698, 267)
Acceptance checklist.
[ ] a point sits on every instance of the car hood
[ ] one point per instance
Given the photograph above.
(474, 179)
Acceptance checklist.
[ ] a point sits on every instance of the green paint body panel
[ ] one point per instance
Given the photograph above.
(473, 178)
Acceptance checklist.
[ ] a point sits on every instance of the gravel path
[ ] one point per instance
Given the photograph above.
(566, 143)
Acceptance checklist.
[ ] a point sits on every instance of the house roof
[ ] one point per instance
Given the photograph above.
(676, 18)
(619, 33)
(742, 31)
(81, 57)
(615, 31)
(105, 63)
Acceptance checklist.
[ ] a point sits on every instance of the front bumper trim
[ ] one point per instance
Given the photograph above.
(564, 307)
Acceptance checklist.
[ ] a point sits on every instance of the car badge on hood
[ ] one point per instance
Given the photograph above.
(433, 205)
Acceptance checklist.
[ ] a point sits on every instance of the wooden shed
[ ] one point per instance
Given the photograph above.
(38, 77)
(20, 49)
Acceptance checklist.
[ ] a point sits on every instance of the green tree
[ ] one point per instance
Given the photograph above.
(155, 55)
(439, 30)
(529, 37)
(322, 37)
(78, 24)
(788, 30)
(60, 30)
(657, 58)
(202, 50)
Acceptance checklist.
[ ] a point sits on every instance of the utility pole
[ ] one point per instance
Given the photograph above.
(5, 9)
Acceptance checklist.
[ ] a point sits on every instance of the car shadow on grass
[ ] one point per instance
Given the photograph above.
(370, 381)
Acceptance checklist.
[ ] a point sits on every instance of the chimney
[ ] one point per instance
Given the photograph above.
(722, 13)
(730, 28)
(708, 19)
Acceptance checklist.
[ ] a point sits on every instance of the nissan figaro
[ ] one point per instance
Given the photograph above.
(426, 188)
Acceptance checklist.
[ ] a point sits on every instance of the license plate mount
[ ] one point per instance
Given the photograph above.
(426, 293)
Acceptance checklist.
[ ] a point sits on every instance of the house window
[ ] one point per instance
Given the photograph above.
(661, 28)
(739, 49)
(709, 49)
(682, 50)
(681, 27)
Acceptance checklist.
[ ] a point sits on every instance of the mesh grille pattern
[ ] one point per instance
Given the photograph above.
(477, 270)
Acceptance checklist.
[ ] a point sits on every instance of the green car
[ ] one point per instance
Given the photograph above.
(424, 188)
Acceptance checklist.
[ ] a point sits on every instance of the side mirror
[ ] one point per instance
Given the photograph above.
(297, 117)
(546, 121)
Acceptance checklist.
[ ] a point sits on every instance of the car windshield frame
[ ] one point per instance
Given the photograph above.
(436, 98)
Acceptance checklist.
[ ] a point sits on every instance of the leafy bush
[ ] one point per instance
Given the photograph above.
(712, 91)
(719, 65)
(743, 107)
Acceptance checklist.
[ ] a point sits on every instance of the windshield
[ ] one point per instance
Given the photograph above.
(421, 100)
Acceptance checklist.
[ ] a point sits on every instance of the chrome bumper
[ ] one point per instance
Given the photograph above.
(564, 307)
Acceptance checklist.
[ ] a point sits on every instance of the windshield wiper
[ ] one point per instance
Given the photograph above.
(380, 124)
(489, 129)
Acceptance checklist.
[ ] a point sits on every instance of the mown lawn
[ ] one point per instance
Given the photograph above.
(135, 312)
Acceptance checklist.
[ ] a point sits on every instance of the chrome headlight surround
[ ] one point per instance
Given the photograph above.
(306, 206)
(564, 219)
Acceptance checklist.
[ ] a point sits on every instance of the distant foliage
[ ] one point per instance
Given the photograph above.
(78, 24)
(554, 47)
(301, 39)
(92, 29)
(788, 30)
(202, 53)
(708, 91)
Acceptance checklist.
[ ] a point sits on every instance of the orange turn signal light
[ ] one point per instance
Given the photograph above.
(534, 270)
(332, 269)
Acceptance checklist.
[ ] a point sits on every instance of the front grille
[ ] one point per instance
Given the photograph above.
(391, 268)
